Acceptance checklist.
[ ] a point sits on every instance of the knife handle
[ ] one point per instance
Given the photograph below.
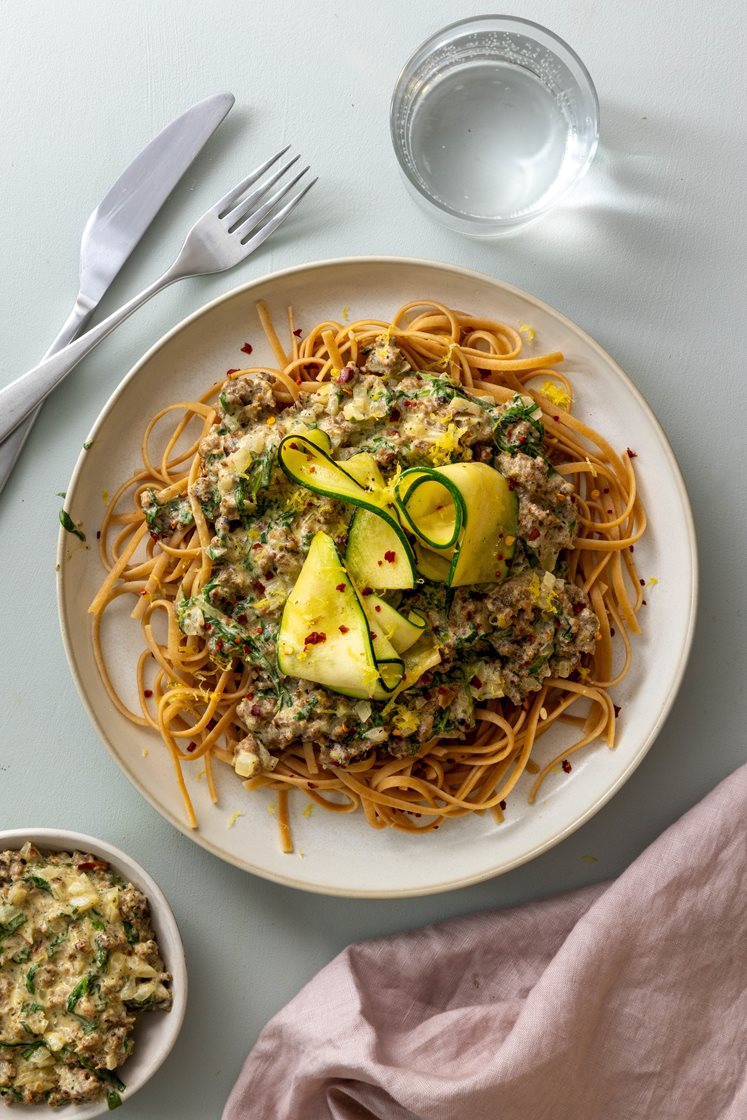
(11, 447)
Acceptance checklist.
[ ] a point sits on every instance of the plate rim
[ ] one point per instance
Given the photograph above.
(543, 846)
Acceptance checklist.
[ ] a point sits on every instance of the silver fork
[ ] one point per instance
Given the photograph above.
(225, 235)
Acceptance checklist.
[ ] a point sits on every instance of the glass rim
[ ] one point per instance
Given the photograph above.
(422, 52)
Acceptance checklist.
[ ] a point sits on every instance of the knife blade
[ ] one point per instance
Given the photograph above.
(122, 217)
(119, 221)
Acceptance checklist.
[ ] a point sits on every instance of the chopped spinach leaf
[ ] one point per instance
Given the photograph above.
(30, 978)
(69, 525)
(38, 882)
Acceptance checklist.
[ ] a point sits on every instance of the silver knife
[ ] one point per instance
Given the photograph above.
(120, 220)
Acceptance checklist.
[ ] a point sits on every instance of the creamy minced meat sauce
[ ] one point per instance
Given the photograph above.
(78, 963)
(496, 640)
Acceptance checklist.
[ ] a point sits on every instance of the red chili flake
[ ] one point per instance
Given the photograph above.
(632, 548)
(314, 638)
(148, 692)
(230, 371)
(373, 636)
(247, 348)
(346, 375)
(260, 630)
(394, 414)
(644, 603)
(612, 631)
(208, 626)
(256, 545)
(606, 490)
(556, 417)
(343, 629)
(631, 454)
(476, 682)
(98, 535)
(618, 709)
(499, 556)
(249, 696)
(293, 446)
(410, 404)
(533, 535)
(577, 608)
(642, 582)
(566, 765)
(610, 511)
(502, 805)
(298, 332)
(191, 747)
(260, 587)
(367, 591)
(242, 618)
(377, 607)
(512, 483)
(219, 644)
(522, 439)
(341, 587)
(143, 592)
(390, 556)
(91, 865)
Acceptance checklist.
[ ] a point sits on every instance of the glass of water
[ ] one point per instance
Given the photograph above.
(493, 120)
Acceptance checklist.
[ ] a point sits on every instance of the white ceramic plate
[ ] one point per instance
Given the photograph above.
(340, 854)
(156, 1032)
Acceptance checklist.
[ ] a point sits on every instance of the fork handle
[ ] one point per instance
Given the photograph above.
(11, 448)
(26, 393)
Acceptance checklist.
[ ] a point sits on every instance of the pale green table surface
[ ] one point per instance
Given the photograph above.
(648, 256)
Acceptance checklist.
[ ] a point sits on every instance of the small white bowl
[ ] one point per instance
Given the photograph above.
(156, 1032)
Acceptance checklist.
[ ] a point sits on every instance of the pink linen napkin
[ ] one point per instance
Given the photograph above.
(622, 1001)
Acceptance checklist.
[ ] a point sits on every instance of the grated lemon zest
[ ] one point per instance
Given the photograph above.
(445, 445)
(232, 819)
(308, 810)
(528, 331)
(557, 395)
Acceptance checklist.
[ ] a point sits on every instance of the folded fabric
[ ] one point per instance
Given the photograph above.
(622, 1001)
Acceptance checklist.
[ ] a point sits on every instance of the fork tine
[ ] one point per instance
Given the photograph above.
(228, 199)
(251, 243)
(233, 217)
(256, 218)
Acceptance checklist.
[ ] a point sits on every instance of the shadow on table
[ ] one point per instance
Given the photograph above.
(640, 201)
